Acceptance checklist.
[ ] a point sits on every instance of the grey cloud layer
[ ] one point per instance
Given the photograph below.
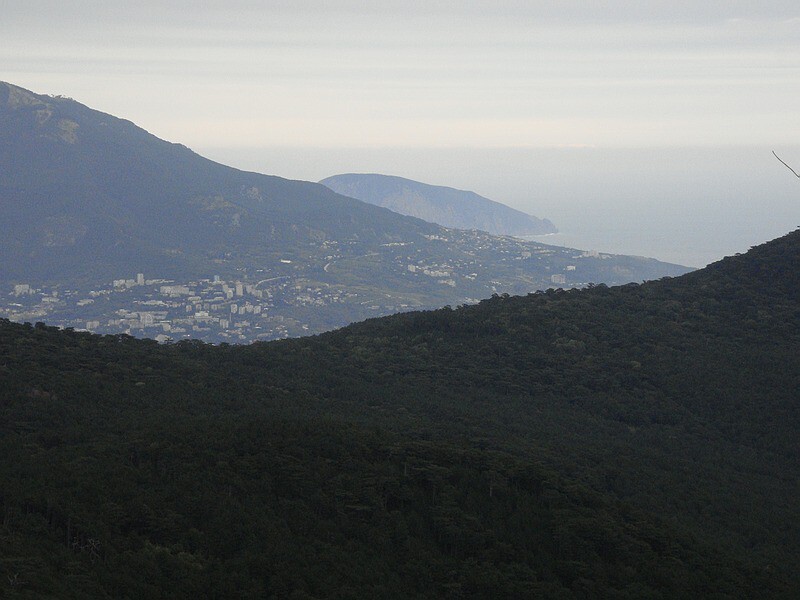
(363, 72)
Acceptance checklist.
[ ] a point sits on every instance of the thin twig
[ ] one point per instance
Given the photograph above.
(785, 165)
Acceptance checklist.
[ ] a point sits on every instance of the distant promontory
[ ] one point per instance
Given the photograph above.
(444, 206)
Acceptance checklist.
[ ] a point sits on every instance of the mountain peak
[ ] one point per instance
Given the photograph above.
(13, 97)
(39, 111)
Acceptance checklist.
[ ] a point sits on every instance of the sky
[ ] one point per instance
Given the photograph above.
(572, 94)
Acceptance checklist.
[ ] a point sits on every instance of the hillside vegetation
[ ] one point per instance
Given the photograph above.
(628, 442)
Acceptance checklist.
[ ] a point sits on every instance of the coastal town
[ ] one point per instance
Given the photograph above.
(209, 309)
(289, 300)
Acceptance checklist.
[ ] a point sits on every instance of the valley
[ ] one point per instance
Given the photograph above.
(89, 199)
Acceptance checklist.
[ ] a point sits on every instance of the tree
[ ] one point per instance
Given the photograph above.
(785, 165)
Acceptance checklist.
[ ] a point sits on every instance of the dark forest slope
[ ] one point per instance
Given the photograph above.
(629, 442)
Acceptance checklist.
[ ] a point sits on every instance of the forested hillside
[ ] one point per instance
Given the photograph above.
(628, 442)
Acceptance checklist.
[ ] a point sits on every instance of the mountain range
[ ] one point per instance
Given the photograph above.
(438, 204)
(104, 226)
(638, 441)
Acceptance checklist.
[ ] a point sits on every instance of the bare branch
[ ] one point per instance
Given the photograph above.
(785, 165)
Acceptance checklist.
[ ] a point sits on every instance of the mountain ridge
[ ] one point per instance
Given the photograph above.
(186, 168)
(443, 205)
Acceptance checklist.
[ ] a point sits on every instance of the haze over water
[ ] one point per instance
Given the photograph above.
(690, 206)
(553, 108)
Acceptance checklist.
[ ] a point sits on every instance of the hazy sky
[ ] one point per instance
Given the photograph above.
(420, 73)
(637, 126)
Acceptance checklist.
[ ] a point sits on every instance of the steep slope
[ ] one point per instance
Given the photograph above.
(87, 199)
(438, 204)
(80, 185)
(629, 442)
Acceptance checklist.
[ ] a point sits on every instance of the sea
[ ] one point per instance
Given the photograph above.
(690, 206)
